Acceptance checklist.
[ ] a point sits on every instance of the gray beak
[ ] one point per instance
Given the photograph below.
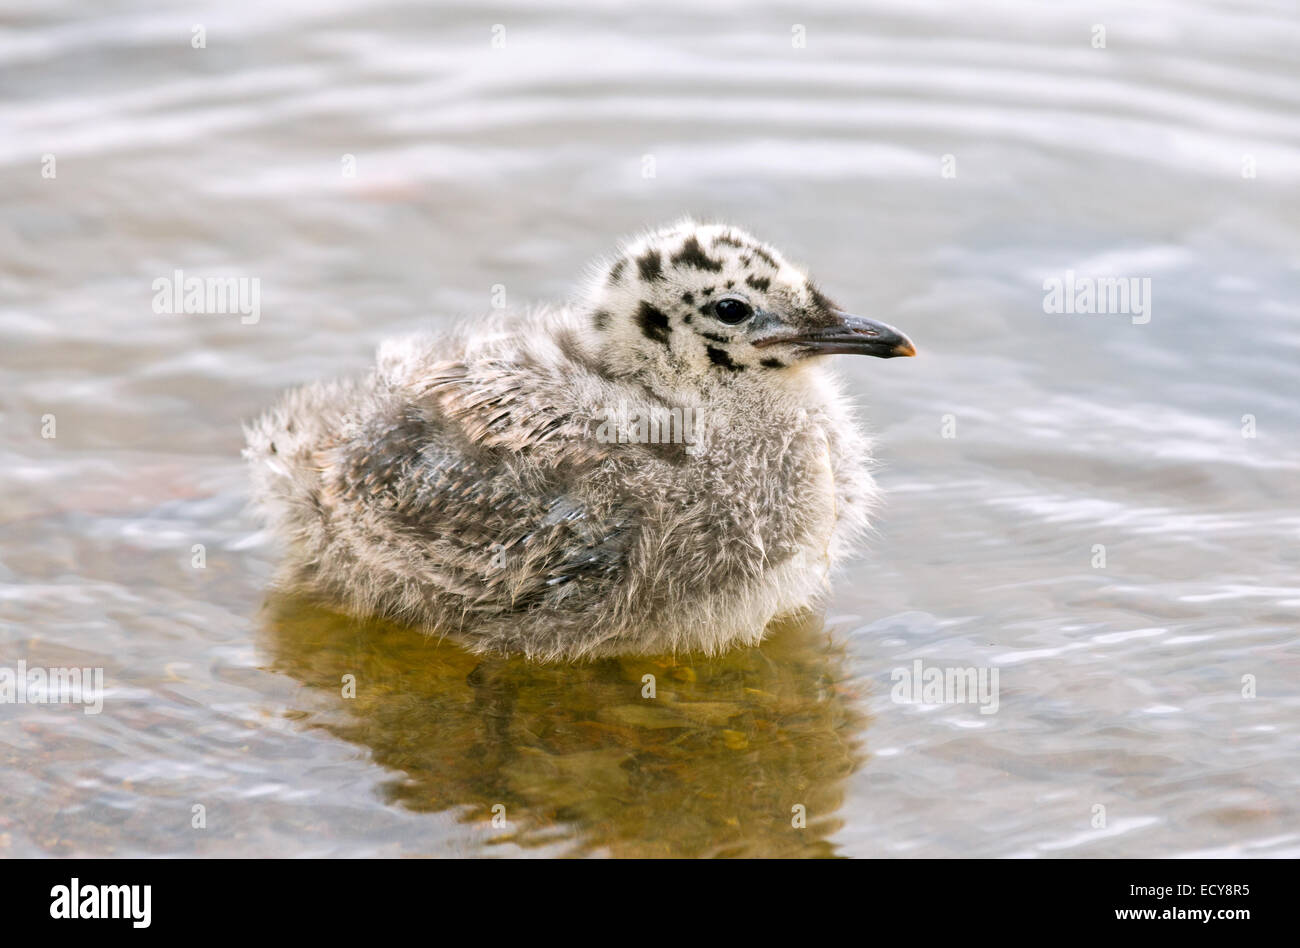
(851, 334)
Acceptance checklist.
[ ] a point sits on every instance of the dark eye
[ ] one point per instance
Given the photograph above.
(732, 311)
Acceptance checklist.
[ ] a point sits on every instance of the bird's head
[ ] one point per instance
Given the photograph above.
(711, 301)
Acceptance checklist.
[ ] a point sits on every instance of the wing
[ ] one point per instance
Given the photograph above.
(481, 495)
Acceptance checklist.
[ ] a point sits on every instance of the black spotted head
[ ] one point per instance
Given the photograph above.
(711, 301)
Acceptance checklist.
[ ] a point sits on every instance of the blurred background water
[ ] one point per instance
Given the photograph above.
(507, 144)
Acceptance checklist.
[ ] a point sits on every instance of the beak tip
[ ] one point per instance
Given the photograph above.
(904, 349)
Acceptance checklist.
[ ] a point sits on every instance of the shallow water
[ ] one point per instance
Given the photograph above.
(1011, 448)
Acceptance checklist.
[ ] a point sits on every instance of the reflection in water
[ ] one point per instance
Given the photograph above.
(712, 765)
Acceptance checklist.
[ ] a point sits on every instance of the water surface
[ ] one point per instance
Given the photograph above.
(1015, 446)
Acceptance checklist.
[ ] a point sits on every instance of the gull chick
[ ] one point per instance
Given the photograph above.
(665, 465)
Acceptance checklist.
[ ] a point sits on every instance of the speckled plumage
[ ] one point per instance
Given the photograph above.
(475, 485)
